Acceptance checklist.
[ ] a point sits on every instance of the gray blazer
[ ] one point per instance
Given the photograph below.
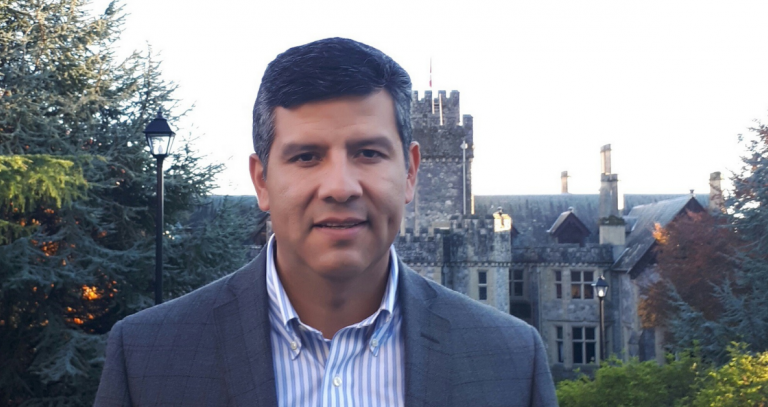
(212, 347)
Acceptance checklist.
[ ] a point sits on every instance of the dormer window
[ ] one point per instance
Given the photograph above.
(568, 228)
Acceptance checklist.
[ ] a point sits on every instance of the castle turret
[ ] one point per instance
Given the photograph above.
(444, 186)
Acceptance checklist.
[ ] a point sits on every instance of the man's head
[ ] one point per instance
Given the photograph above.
(327, 69)
(332, 135)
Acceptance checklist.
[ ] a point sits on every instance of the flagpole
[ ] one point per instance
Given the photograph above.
(431, 101)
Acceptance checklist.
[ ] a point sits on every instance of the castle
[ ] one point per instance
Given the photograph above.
(533, 256)
(537, 256)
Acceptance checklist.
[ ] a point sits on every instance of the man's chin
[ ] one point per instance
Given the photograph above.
(342, 264)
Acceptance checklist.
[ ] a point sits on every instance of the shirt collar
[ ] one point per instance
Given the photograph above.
(280, 304)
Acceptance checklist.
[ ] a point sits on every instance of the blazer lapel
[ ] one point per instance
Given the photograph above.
(427, 355)
(242, 322)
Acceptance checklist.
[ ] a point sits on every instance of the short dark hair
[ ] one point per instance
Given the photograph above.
(327, 69)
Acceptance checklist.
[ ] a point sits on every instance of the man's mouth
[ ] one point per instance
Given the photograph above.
(340, 223)
(343, 225)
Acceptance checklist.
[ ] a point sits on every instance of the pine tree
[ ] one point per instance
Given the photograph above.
(88, 264)
(746, 300)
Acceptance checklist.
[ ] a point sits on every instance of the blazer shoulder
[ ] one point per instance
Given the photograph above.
(197, 305)
(466, 313)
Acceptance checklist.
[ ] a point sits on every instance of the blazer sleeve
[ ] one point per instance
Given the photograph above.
(542, 387)
(113, 388)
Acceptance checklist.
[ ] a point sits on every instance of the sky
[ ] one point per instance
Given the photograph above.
(670, 85)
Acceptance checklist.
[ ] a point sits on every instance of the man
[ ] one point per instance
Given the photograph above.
(327, 314)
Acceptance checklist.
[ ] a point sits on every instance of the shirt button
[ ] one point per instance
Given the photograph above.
(337, 381)
(374, 343)
(294, 345)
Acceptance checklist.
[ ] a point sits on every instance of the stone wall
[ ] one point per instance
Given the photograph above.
(564, 253)
(454, 256)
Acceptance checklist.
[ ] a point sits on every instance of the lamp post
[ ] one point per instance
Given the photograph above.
(159, 138)
(464, 147)
(601, 286)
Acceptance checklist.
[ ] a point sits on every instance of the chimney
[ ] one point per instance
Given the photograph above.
(564, 182)
(609, 191)
(612, 226)
(716, 201)
(605, 159)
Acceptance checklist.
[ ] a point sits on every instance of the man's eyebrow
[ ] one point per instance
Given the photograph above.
(291, 149)
(380, 141)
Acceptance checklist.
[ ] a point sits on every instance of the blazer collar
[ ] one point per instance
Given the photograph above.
(242, 323)
(427, 370)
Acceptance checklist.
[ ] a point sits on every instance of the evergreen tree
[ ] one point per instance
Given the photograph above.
(86, 265)
(746, 300)
(34, 180)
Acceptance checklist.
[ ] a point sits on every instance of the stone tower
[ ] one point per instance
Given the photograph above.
(445, 183)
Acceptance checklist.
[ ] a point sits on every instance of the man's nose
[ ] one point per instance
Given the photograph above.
(340, 181)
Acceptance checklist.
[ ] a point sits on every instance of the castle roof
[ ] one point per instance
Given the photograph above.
(534, 215)
(643, 220)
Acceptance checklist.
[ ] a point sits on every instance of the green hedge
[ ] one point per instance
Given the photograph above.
(684, 381)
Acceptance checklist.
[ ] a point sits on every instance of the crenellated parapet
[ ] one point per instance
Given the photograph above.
(472, 239)
(422, 248)
(437, 125)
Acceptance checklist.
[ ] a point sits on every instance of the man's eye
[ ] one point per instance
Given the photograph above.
(370, 154)
(303, 158)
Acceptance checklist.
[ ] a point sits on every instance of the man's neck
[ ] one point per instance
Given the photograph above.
(329, 305)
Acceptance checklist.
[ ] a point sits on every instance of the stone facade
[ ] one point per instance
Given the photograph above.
(542, 268)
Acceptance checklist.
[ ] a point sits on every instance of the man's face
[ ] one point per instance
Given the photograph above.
(336, 184)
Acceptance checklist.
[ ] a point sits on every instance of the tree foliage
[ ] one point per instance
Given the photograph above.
(35, 180)
(31, 179)
(65, 97)
(695, 255)
(684, 381)
(714, 287)
(743, 381)
(634, 383)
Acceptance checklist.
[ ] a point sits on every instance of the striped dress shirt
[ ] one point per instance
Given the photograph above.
(361, 366)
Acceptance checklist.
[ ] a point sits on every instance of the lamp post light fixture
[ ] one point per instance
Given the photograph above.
(601, 286)
(160, 139)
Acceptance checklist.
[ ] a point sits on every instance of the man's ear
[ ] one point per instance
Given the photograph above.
(413, 169)
(259, 183)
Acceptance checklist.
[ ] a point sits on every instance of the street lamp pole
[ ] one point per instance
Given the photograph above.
(601, 287)
(464, 146)
(160, 139)
(159, 222)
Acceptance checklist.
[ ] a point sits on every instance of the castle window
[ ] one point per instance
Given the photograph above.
(516, 283)
(581, 285)
(482, 285)
(558, 284)
(584, 344)
(559, 336)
